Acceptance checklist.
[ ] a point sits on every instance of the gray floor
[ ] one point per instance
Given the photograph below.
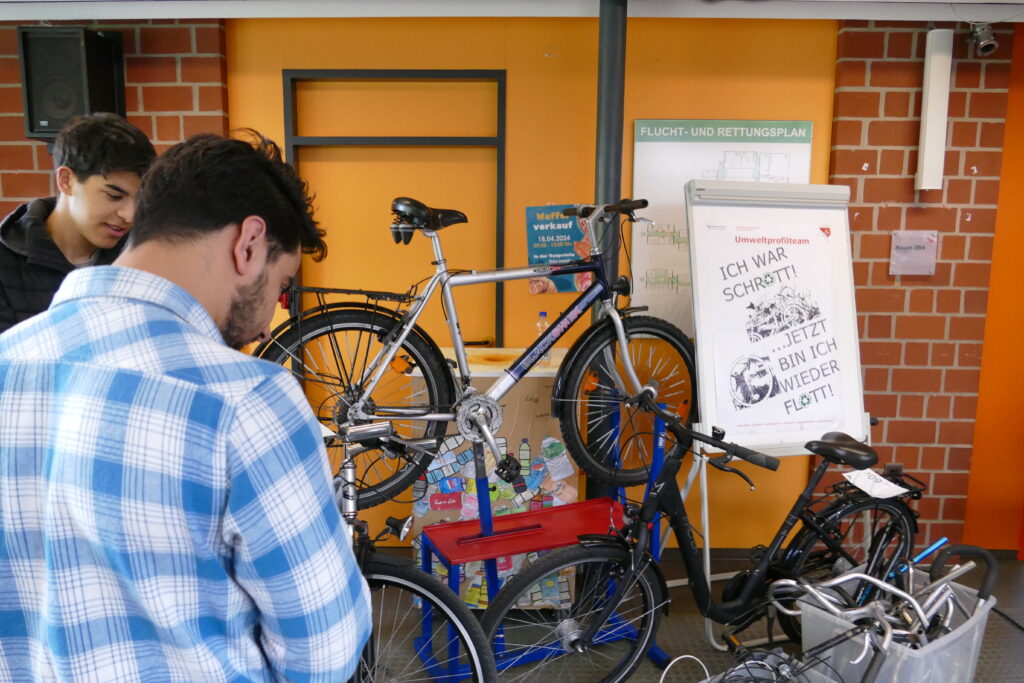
(1002, 651)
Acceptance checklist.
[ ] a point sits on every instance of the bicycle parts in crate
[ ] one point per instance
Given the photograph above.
(934, 626)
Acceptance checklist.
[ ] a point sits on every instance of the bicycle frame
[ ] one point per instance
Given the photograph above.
(664, 497)
(600, 289)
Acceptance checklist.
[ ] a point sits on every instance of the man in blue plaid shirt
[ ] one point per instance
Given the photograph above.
(166, 512)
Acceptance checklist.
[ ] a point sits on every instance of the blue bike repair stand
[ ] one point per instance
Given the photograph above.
(483, 501)
(588, 522)
(659, 657)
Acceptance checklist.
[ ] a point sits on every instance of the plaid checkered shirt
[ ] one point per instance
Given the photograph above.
(165, 501)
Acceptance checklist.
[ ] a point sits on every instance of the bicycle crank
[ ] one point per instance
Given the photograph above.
(478, 420)
(476, 412)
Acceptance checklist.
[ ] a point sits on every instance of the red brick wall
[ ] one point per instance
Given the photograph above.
(921, 336)
(175, 87)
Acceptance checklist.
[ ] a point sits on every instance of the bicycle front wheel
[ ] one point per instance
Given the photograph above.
(333, 353)
(421, 630)
(876, 533)
(541, 643)
(609, 438)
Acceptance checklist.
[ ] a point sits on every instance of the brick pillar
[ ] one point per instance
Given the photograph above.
(176, 86)
(921, 336)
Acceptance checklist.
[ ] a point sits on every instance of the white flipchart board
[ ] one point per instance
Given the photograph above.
(778, 359)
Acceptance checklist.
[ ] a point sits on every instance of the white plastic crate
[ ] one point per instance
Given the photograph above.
(951, 658)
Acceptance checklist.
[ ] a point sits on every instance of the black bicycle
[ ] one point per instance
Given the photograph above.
(614, 593)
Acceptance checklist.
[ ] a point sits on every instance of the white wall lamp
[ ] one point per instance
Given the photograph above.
(931, 149)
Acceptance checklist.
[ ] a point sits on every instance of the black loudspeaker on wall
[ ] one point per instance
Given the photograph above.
(66, 71)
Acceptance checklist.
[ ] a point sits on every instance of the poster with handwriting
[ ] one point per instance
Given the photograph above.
(774, 296)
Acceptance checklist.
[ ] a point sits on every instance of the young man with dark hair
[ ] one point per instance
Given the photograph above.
(99, 159)
(167, 507)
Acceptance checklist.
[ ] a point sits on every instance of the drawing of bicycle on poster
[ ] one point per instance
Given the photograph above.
(774, 297)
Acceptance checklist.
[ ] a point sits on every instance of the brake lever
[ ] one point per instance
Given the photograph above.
(719, 463)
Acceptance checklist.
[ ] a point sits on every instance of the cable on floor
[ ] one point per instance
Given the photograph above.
(1010, 619)
(664, 673)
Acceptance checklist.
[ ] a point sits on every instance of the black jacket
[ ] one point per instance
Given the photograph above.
(31, 265)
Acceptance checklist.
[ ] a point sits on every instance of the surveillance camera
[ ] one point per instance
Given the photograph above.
(984, 39)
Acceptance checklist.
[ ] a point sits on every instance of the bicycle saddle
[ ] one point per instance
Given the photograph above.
(842, 448)
(412, 213)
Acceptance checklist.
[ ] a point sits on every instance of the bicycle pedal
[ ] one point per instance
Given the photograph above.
(508, 469)
(732, 642)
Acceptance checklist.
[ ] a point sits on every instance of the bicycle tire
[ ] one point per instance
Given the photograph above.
(535, 644)
(336, 346)
(397, 647)
(876, 532)
(660, 351)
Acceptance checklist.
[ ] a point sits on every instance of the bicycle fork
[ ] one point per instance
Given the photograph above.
(638, 561)
(620, 335)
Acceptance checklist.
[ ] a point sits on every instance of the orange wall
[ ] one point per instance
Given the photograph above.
(995, 495)
(675, 69)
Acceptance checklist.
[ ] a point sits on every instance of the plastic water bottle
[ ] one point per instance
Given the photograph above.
(524, 456)
(542, 327)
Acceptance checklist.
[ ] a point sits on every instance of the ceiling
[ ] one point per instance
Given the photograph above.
(914, 10)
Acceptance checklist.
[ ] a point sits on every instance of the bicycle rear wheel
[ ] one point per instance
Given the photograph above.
(877, 533)
(333, 354)
(540, 644)
(421, 630)
(610, 439)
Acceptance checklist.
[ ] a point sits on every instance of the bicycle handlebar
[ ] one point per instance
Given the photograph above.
(674, 424)
(624, 206)
(754, 457)
(991, 567)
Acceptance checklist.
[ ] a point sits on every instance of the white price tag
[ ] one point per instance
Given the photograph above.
(873, 484)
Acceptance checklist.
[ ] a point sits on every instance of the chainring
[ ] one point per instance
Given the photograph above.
(471, 406)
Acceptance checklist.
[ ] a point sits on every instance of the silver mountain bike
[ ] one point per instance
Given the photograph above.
(364, 359)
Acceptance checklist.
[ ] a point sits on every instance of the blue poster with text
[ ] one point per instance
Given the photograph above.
(554, 238)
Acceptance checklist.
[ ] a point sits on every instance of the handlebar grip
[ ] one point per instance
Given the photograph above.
(755, 458)
(623, 205)
(632, 204)
(583, 211)
(991, 567)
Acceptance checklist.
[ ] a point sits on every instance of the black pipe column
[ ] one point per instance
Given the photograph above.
(611, 78)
